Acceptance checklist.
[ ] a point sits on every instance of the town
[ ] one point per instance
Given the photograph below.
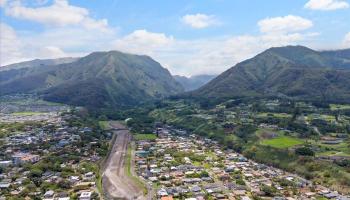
(182, 166)
(50, 156)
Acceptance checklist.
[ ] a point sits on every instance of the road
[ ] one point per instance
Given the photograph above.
(116, 183)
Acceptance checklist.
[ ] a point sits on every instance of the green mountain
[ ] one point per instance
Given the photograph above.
(38, 63)
(193, 82)
(292, 71)
(101, 79)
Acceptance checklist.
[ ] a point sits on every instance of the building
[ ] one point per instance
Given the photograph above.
(85, 196)
(21, 158)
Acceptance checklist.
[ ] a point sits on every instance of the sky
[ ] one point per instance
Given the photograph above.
(188, 37)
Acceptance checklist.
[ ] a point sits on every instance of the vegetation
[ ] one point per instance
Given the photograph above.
(290, 145)
(145, 136)
(26, 113)
(128, 170)
(99, 80)
(282, 142)
(293, 71)
(103, 124)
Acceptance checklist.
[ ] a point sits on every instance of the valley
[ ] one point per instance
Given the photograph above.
(266, 128)
(174, 100)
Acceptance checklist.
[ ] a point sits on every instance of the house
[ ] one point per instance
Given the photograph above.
(89, 176)
(49, 195)
(167, 198)
(195, 188)
(331, 195)
(85, 196)
(245, 198)
(5, 163)
(74, 179)
(4, 185)
(162, 192)
(21, 158)
(63, 196)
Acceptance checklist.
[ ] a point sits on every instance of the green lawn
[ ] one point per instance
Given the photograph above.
(282, 142)
(145, 136)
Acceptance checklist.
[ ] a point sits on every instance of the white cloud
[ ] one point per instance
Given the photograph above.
(186, 57)
(326, 4)
(143, 42)
(60, 13)
(10, 45)
(199, 21)
(180, 56)
(3, 3)
(346, 41)
(202, 56)
(51, 52)
(289, 23)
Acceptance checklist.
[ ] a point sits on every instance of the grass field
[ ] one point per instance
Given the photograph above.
(103, 124)
(128, 170)
(282, 142)
(341, 149)
(145, 136)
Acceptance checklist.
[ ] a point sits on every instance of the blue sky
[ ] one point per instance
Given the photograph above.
(188, 37)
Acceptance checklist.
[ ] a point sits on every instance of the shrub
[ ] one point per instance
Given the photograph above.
(304, 151)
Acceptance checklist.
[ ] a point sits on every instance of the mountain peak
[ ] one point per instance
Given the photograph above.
(99, 79)
(293, 71)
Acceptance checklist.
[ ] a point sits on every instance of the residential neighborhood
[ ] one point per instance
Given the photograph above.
(51, 157)
(182, 166)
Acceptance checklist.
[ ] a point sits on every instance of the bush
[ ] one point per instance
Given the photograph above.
(269, 191)
(304, 151)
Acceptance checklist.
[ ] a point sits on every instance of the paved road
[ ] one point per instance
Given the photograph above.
(117, 185)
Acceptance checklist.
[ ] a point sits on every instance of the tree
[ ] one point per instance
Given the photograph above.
(269, 191)
(304, 151)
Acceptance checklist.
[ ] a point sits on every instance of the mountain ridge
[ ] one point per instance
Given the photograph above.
(193, 82)
(99, 79)
(292, 71)
(38, 62)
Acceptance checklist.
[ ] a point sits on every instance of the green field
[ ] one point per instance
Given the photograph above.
(282, 142)
(341, 149)
(145, 136)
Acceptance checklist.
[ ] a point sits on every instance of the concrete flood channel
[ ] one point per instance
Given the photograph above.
(115, 181)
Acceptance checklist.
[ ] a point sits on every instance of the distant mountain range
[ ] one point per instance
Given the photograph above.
(293, 71)
(101, 79)
(193, 82)
(38, 62)
(116, 79)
